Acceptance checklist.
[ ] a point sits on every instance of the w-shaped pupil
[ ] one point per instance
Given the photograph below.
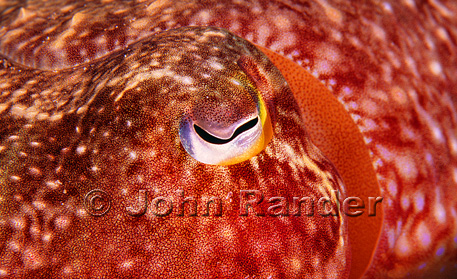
(215, 140)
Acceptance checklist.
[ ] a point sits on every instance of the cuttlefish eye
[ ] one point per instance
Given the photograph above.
(219, 131)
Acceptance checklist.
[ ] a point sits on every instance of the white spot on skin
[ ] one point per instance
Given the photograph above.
(14, 246)
(405, 202)
(443, 10)
(18, 224)
(378, 32)
(423, 235)
(249, 37)
(78, 19)
(435, 68)
(329, 55)
(18, 110)
(282, 21)
(15, 178)
(436, 132)
(287, 39)
(369, 125)
(39, 205)
(440, 213)
(392, 187)
(127, 264)
(406, 167)
(216, 65)
(428, 120)
(187, 80)
(399, 95)
(402, 248)
(56, 117)
(32, 259)
(442, 34)
(35, 144)
(263, 32)
(411, 63)
(387, 7)
(62, 222)
(53, 185)
(47, 237)
(419, 202)
(68, 270)
(34, 231)
(204, 16)
(80, 150)
(332, 13)
(453, 146)
(81, 213)
(429, 43)
(391, 238)
(429, 158)
(385, 153)
(18, 93)
(409, 3)
(295, 264)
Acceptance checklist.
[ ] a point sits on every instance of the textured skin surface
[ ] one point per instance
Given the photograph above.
(392, 66)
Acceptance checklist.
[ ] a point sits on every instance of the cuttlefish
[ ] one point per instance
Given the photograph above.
(228, 139)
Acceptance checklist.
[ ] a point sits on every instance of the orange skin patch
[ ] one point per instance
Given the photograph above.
(333, 131)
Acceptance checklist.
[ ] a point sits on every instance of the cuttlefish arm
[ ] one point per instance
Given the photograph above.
(389, 66)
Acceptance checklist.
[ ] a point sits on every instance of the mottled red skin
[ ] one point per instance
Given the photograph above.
(389, 64)
(124, 138)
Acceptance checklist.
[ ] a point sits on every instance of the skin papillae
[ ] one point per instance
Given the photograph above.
(92, 95)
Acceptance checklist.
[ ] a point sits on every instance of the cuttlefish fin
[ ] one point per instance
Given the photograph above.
(334, 132)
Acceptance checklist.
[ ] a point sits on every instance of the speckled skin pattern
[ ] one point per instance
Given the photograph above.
(92, 94)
